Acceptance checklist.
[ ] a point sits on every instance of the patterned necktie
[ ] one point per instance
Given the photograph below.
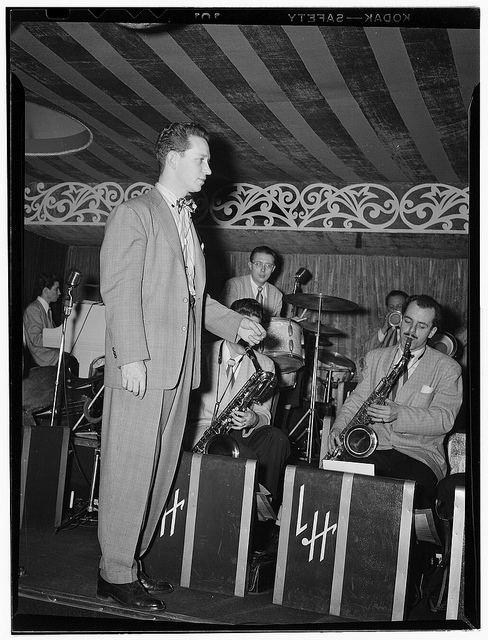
(230, 372)
(185, 207)
(259, 297)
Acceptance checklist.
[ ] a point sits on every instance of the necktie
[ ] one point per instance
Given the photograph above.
(259, 297)
(230, 372)
(50, 318)
(185, 208)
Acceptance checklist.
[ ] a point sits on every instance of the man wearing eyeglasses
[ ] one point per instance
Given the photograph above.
(388, 334)
(262, 263)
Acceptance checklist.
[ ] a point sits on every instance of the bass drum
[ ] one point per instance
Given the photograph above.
(284, 345)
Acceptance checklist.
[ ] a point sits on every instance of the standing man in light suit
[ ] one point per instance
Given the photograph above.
(262, 263)
(153, 287)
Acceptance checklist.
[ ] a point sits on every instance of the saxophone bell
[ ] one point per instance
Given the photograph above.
(222, 445)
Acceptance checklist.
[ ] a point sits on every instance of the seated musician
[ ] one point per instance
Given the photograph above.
(38, 316)
(225, 370)
(412, 423)
(262, 263)
(388, 334)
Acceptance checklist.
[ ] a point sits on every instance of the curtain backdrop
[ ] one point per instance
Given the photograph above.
(363, 279)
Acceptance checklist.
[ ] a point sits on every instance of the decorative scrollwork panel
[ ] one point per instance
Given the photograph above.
(427, 208)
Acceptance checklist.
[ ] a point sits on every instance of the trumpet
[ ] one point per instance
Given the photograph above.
(395, 318)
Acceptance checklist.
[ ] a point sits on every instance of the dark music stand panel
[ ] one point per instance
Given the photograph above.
(43, 476)
(203, 541)
(344, 544)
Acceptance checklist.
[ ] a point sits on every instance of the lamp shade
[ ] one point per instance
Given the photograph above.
(51, 133)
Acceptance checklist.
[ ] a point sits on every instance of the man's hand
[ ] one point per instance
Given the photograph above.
(134, 378)
(386, 323)
(251, 332)
(383, 413)
(244, 419)
(334, 440)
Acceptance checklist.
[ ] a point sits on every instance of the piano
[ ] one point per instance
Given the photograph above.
(85, 334)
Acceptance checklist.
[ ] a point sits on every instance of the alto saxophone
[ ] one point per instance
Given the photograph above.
(216, 439)
(358, 439)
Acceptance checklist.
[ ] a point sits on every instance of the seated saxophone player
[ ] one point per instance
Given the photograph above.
(226, 368)
(415, 415)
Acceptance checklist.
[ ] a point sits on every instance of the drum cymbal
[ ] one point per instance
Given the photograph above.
(327, 303)
(325, 329)
(335, 361)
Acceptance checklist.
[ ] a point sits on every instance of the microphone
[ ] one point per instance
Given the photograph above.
(250, 354)
(302, 275)
(74, 278)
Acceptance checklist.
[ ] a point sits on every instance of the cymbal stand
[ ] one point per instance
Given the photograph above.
(68, 306)
(83, 415)
(311, 413)
(91, 505)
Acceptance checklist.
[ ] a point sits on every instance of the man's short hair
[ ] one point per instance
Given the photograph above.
(396, 292)
(426, 302)
(263, 249)
(175, 137)
(45, 280)
(248, 307)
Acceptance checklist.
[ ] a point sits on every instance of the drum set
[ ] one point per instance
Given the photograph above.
(300, 344)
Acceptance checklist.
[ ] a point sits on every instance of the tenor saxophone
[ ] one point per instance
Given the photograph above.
(358, 439)
(216, 439)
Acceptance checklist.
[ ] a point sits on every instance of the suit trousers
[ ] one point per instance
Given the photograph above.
(139, 453)
(271, 447)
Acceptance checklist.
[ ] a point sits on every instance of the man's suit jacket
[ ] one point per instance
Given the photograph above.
(145, 291)
(373, 341)
(240, 287)
(35, 320)
(429, 403)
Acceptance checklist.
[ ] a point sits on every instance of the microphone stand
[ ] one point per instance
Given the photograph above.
(68, 306)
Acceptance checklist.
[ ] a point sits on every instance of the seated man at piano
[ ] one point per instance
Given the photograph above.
(409, 394)
(222, 405)
(38, 316)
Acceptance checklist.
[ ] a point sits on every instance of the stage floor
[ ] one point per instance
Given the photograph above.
(56, 593)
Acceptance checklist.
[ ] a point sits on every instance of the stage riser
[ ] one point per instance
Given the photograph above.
(43, 475)
(344, 544)
(203, 541)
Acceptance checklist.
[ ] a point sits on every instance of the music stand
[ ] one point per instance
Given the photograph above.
(311, 413)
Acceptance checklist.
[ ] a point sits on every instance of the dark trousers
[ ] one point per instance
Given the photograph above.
(391, 463)
(271, 447)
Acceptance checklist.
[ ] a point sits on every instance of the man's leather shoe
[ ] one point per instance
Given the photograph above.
(129, 594)
(154, 586)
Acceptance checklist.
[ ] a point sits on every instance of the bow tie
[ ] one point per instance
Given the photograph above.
(186, 203)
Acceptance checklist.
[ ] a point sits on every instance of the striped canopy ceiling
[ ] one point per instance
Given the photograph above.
(285, 103)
